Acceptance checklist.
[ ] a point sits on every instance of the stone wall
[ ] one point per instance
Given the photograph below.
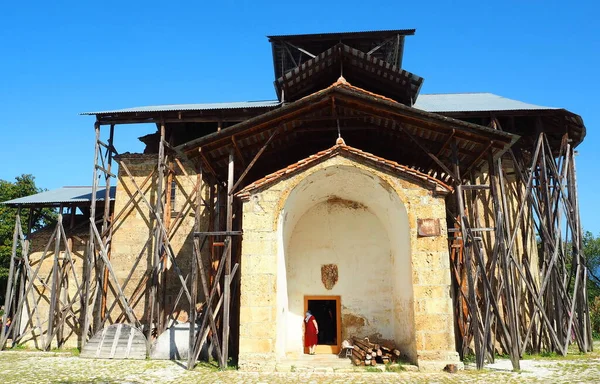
(135, 227)
(422, 306)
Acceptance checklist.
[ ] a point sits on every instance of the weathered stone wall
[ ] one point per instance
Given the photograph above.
(135, 227)
(423, 320)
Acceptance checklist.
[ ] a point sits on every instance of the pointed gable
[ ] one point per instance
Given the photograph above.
(341, 149)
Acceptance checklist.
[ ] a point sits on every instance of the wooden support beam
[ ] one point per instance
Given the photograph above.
(227, 277)
(219, 233)
(237, 151)
(197, 260)
(254, 160)
(431, 155)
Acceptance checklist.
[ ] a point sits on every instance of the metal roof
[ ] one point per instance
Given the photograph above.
(362, 34)
(191, 107)
(64, 195)
(438, 102)
(471, 102)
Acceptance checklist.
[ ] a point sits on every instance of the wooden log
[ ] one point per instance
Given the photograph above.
(358, 351)
(356, 361)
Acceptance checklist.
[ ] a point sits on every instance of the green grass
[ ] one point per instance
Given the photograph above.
(390, 367)
(213, 365)
(372, 369)
(20, 347)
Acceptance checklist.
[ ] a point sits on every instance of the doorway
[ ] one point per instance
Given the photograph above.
(327, 312)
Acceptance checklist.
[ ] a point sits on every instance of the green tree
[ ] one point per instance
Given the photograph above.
(23, 185)
(591, 249)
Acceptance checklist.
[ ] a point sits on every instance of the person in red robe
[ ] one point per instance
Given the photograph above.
(311, 330)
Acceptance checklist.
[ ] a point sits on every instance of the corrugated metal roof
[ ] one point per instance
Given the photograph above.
(62, 195)
(439, 102)
(471, 102)
(191, 107)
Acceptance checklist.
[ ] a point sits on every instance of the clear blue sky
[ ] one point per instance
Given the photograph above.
(57, 60)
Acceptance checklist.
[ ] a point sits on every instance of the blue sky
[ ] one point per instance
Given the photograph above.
(62, 58)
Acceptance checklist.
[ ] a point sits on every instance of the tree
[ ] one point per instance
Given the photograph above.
(23, 185)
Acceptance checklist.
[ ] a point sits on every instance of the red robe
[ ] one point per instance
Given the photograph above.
(310, 332)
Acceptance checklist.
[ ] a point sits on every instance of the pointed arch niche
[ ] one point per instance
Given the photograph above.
(342, 209)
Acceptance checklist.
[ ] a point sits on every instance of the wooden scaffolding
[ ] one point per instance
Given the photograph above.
(518, 268)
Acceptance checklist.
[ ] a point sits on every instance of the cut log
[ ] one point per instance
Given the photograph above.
(357, 361)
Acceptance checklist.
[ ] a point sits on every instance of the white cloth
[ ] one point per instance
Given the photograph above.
(308, 316)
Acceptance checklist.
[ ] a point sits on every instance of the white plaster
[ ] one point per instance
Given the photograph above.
(370, 243)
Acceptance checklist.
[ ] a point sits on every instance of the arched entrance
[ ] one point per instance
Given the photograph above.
(349, 219)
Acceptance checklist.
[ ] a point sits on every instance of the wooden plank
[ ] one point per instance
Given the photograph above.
(116, 340)
(219, 233)
(226, 281)
(194, 281)
(55, 285)
(9, 285)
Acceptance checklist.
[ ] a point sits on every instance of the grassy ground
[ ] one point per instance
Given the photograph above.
(22, 366)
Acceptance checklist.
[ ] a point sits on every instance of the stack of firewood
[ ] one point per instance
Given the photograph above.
(366, 353)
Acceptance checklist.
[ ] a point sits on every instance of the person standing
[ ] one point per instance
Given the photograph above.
(311, 330)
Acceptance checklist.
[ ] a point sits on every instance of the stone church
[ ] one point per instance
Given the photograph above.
(407, 218)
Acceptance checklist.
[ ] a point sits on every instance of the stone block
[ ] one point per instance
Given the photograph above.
(258, 289)
(266, 330)
(255, 345)
(431, 276)
(437, 341)
(434, 305)
(433, 322)
(431, 291)
(259, 248)
(257, 314)
(256, 263)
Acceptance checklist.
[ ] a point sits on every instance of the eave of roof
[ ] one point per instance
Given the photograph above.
(61, 196)
(341, 149)
(190, 107)
(435, 103)
(344, 87)
(333, 35)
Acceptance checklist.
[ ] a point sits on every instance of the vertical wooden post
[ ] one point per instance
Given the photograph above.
(85, 315)
(18, 314)
(55, 287)
(158, 237)
(468, 259)
(196, 258)
(105, 218)
(11, 275)
(227, 277)
(508, 285)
